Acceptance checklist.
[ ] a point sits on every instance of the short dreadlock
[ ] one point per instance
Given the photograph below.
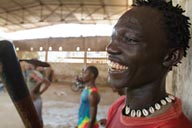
(177, 25)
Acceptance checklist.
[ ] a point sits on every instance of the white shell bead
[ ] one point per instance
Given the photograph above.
(157, 106)
(127, 110)
(171, 97)
(151, 110)
(163, 102)
(133, 113)
(145, 112)
(168, 99)
(138, 113)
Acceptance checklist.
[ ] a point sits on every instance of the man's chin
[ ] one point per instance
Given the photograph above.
(116, 86)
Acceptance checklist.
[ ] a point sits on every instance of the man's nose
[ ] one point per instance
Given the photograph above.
(113, 48)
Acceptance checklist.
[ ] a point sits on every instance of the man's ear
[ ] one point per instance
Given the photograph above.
(92, 75)
(173, 57)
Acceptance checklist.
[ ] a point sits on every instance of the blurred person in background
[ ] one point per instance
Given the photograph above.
(36, 82)
(90, 99)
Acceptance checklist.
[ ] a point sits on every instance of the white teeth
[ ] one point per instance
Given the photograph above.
(115, 66)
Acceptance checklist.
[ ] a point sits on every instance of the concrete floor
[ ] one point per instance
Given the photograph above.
(60, 107)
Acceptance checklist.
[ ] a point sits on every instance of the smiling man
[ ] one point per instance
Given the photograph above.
(147, 41)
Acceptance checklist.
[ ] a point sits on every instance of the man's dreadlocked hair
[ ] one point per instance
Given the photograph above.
(176, 24)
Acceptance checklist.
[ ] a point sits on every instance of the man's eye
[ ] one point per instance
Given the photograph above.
(130, 40)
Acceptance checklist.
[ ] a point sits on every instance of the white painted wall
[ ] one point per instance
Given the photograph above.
(182, 75)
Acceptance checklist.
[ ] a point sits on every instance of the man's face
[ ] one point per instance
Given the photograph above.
(137, 49)
(87, 75)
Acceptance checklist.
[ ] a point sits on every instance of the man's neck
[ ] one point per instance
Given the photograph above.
(90, 84)
(146, 96)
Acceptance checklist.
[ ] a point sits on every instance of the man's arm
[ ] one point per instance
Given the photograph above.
(94, 99)
(40, 80)
(47, 83)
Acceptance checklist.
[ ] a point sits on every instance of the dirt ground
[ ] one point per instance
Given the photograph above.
(60, 107)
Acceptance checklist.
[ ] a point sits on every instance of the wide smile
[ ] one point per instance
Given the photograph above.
(116, 67)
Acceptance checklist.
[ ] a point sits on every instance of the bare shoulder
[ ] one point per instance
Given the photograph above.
(94, 97)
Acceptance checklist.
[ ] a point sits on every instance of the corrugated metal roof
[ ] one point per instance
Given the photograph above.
(26, 14)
